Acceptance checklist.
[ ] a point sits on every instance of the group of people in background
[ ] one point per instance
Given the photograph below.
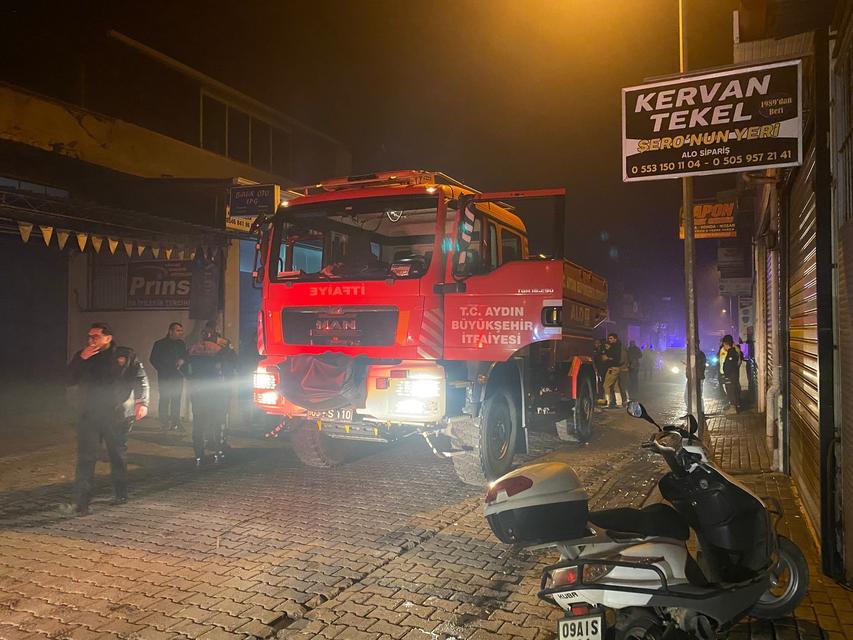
(618, 369)
(113, 390)
(210, 365)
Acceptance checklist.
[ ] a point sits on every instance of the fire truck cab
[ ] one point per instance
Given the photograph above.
(407, 303)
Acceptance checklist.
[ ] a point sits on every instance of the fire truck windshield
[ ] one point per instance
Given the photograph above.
(364, 239)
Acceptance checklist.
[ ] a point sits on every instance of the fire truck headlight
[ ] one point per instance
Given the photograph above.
(419, 388)
(267, 397)
(263, 379)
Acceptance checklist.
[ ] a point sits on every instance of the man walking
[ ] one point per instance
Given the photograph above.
(167, 357)
(615, 362)
(729, 360)
(114, 393)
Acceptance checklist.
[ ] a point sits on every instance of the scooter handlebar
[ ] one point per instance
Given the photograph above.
(669, 451)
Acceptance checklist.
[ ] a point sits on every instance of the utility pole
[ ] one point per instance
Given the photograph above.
(693, 407)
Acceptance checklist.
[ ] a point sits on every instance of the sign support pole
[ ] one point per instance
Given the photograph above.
(693, 405)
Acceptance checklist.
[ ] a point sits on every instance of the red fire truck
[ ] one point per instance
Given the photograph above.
(407, 303)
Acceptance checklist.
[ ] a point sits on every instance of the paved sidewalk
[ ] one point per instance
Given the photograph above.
(738, 444)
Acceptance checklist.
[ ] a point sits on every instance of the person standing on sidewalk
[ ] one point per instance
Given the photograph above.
(167, 357)
(615, 364)
(114, 394)
(634, 358)
(729, 360)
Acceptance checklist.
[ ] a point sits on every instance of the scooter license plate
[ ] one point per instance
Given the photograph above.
(590, 627)
(333, 415)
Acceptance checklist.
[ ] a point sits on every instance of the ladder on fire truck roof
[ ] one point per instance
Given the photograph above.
(406, 177)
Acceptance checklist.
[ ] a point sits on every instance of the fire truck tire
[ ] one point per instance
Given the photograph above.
(491, 447)
(315, 449)
(584, 410)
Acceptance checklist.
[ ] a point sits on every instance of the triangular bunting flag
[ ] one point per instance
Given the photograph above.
(47, 233)
(179, 255)
(155, 251)
(128, 248)
(97, 241)
(113, 244)
(81, 241)
(168, 253)
(192, 255)
(26, 228)
(62, 238)
(140, 249)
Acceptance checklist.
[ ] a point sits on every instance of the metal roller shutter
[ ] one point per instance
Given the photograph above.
(842, 147)
(770, 274)
(803, 372)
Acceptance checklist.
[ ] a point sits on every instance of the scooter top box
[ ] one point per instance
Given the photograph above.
(539, 503)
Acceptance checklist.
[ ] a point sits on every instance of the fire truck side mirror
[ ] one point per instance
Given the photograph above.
(258, 270)
(467, 263)
(466, 259)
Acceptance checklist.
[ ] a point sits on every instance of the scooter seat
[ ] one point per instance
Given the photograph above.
(654, 520)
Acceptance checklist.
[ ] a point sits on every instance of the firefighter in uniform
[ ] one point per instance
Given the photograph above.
(114, 391)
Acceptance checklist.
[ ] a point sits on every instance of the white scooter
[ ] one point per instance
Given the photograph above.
(627, 573)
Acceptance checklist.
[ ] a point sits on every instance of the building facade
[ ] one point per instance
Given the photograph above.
(804, 344)
(115, 166)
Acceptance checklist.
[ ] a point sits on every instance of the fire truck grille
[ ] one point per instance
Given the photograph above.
(340, 326)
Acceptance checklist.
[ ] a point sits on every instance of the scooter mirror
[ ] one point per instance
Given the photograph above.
(693, 424)
(639, 411)
(636, 409)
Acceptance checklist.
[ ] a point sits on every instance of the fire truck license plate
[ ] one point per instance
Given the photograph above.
(589, 627)
(334, 415)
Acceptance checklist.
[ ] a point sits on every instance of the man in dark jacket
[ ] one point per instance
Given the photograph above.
(167, 357)
(730, 358)
(207, 365)
(114, 391)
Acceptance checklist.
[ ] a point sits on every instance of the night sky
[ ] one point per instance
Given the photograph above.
(500, 94)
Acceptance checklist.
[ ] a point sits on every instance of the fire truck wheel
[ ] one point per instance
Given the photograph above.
(492, 446)
(315, 449)
(584, 410)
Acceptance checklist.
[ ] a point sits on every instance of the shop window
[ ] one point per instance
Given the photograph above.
(107, 286)
(280, 152)
(213, 125)
(238, 135)
(261, 144)
(31, 187)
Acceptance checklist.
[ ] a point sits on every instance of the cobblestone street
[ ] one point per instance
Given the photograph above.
(390, 546)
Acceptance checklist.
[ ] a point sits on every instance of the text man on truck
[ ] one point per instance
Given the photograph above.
(403, 303)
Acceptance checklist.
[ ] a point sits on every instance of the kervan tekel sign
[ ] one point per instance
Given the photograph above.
(734, 120)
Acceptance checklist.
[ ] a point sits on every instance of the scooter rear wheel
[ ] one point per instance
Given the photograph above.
(638, 624)
(790, 583)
